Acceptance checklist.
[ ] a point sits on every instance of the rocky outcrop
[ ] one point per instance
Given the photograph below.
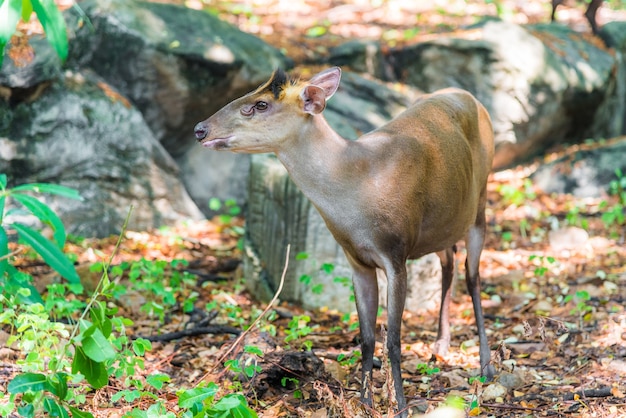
(81, 133)
(142, 74)
(177, 66)
(542, 84)
(585, 170)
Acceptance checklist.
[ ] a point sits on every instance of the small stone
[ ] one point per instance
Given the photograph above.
(510, 380)
(494, 391)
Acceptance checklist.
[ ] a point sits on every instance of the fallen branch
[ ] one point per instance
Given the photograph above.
(589, 393)
(192, 332)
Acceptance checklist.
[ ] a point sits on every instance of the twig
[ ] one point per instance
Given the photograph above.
(267, 308)
(506, 406)
(11, 254)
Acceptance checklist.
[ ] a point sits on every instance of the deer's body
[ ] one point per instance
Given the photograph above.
(415, 186)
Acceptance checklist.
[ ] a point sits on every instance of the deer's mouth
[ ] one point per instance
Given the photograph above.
(218, 143)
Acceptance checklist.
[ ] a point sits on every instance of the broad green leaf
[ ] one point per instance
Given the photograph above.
(100, 319)
(19, 284)
(27, 10)
(21, 383)
(10, 11)
(53, 24)
(157, 380)
(4, 252)
(3, 178)
(197, 395)
(26, 411)
(49, 252)
(77, 413)
(53, 408)
(96, 346)
(94, 372)
(49, 188)
(2, 200)
(57, 385)
(45, 215)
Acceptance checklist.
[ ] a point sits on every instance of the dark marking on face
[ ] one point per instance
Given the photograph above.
(276, 84)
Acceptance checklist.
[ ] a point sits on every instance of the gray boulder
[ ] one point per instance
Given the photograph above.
(583, 171)
(177, 66)
(81, 133)
(279, 215)
(542, 84)
(21, 80)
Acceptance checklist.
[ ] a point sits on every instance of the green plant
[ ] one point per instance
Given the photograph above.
(517, 196)
(164, 283)
(228, 209)
(426, 369)
(95, 350)
(582, 309)
(298, 329)
(542, 264)
(285, 381)
(12, 280)
(574, 217)
(614, 214)
(200, 402)
(349, 360)
(48, 14)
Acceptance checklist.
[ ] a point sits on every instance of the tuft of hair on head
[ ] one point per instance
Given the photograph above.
(278, 82)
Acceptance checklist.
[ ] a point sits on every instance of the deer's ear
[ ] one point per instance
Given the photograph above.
(327, 80)
(313, 99)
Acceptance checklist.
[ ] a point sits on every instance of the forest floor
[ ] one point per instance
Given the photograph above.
(554, 299)
(554, 305)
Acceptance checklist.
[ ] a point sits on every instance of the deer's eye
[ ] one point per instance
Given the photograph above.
(261, 106)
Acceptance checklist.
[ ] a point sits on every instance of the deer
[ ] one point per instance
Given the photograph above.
(590, 14)
(416, 185)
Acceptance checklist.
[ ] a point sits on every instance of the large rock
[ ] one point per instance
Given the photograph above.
(584, 171)
(279, 215)
(81, 133)
(177, 66)
(542, 84)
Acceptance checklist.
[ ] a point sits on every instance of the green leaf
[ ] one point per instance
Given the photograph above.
(20, 285)
(215, 204)
(94, 372)
(3, 178)
(27, 10)
(49, 252)
(54, 409)
(77, 413)
(35, 382)
(253, 349)
(53, 24)
(45, 215)
(26, 411)
(100, 319)
(316, 31)
(10, 11)
(157, 380)
(57, 385)
(4, 251)
(96, 346)
(55, 189)
(190, 397)
(141, 345)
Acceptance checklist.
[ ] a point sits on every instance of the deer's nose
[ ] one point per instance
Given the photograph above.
(201, 131)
